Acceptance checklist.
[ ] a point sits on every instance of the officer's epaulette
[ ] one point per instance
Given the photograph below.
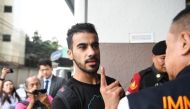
(143, 72)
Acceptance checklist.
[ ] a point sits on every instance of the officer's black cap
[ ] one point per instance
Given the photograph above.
(159, 48)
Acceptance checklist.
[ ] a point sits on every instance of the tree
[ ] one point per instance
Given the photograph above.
(37, 49)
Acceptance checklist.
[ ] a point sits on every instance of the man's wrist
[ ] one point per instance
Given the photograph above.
(2, 79)
(3, 76)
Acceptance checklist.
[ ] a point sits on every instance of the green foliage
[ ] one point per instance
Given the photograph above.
(37, 49)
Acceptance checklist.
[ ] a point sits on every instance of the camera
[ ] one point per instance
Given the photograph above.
(11, 70)
(40, 91)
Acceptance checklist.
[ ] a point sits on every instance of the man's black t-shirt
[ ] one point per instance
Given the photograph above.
(79, 95)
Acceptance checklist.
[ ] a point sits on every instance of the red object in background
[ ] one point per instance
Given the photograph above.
(135, 84)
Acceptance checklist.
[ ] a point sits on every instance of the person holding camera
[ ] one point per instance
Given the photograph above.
(37, 98)
(8, 96)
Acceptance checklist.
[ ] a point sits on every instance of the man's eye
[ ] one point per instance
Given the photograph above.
(96, 46)
(82, 46)
(163, 57)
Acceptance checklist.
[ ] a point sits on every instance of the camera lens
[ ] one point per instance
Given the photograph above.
(37, 92)
(43, 91)
(11, 70)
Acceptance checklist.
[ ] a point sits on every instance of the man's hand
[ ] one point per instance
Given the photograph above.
(33, 98)
(44, 99)
(5, 71)
(40, 76)
(110, 93)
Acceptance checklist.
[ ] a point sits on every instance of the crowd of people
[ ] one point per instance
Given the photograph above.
(87, 89)
(8, 95)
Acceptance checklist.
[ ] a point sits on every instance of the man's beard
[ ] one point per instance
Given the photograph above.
(91, 71)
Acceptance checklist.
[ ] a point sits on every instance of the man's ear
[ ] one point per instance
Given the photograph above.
(184, 39)
(153, 58)
(70, 54)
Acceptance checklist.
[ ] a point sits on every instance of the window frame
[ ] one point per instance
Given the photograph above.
(8, 9)
(6, 37)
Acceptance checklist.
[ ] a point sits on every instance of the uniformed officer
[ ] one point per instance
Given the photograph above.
(171, 95)
(154, 75)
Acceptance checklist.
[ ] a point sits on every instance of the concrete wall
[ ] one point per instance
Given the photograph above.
(14, 50)
(121, 60)
(115, 19)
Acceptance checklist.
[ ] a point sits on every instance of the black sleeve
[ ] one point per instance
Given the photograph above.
(58, 103)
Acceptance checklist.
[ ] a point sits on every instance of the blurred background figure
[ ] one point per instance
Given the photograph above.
(37, 98)
(49, 81)
(21, 92)
(154, 75)
(8, 95)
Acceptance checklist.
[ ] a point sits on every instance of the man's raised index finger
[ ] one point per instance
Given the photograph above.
(103, 77)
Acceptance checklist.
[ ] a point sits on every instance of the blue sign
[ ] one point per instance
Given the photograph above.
(56, 55)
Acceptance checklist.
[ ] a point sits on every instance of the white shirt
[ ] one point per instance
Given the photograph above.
(49, 83)
(22, 93)
(6, 105)
(123, 103)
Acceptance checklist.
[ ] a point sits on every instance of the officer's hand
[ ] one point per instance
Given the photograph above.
(110, 93)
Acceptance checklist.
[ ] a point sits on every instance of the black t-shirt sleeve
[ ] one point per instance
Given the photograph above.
(58, 103)
(66, 99)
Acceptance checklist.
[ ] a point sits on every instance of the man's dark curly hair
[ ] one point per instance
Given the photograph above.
(79, 27)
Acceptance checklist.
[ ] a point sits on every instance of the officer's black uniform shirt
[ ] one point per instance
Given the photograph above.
(151, 77)
(171, 95)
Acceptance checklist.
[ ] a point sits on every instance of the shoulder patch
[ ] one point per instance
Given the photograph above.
(135, 83)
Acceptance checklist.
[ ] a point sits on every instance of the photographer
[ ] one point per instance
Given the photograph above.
(37, 99)
(8, 96)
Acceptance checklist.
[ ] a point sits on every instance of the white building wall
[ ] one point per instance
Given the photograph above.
(8, 16)
(115, 19)
(13, 51)
(80, 13)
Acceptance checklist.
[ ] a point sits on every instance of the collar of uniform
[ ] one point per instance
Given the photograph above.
(158, 74)
(154, 69)
(184, 72)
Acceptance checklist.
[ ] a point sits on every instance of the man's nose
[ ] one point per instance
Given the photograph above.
(9, 86)
(35, 86)
(91, 51)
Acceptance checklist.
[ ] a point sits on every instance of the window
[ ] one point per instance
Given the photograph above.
(6, 37)
(7, 8)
